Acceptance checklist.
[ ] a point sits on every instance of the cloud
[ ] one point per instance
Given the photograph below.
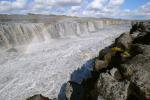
(111, 9)
(82, 8)
(19, 4)
(113, 5)
(58, 2)
(145, 9)
(40, 6)
(8, 6)
(67, 2)
(105, 5)
(143, 12)
(97, 4)
(103, 8)
(5, 6)
(53, 5)
(36, 5)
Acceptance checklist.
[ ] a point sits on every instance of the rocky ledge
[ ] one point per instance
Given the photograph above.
(120, 72)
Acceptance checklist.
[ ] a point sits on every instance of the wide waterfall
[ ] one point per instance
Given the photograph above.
(38, 54)
(14, 33)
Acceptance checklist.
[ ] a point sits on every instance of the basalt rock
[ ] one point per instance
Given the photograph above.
(141, 32)
(126, 71)
(147, 26)
(74, 91)
(135, 35)
(116, 74)
(143, 38)
(137, 27)
(121, 71)
(99, 65)
(111, 89)
(127, 79)
(124, 41)
(135, 50)
(104, 51)
(141, 66)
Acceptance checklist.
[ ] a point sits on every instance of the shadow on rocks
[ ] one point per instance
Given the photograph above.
(76, 88)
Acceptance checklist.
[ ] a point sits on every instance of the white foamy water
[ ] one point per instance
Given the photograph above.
(43, 67)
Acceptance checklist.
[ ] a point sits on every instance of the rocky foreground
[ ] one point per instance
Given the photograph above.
(120, 72)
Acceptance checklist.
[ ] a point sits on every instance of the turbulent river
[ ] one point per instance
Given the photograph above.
(41, 65)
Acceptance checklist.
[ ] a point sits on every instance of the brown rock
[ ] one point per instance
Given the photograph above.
(111, 89)
(126, 71)
(99, 64)
(116, 74)
(141, 77)
(104, 51)
(142, 38)
(124, 41)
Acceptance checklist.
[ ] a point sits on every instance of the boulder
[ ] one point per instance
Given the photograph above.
(140, 32)
(38, 97)
(135, 50)
(116, 74)
(100, 64)
(74, 91)
(141, 77)
(138, 27)
(115, 57)
(108, 57)
(111, 89)
(100, 98)
(126, 71)
(135, 35)
(142, 38)
(104, 51)
(147, 26)
(134, 27)
(124, 41)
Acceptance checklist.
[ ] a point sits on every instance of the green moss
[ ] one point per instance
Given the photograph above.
(126, 54)
(117, 49)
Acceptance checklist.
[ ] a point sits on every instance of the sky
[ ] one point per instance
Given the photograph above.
(127, 9)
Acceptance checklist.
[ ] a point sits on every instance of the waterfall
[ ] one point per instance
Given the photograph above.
(14, 34)
(40, 52)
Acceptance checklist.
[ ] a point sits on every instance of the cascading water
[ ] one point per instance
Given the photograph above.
(52, 51)
(12, 34)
